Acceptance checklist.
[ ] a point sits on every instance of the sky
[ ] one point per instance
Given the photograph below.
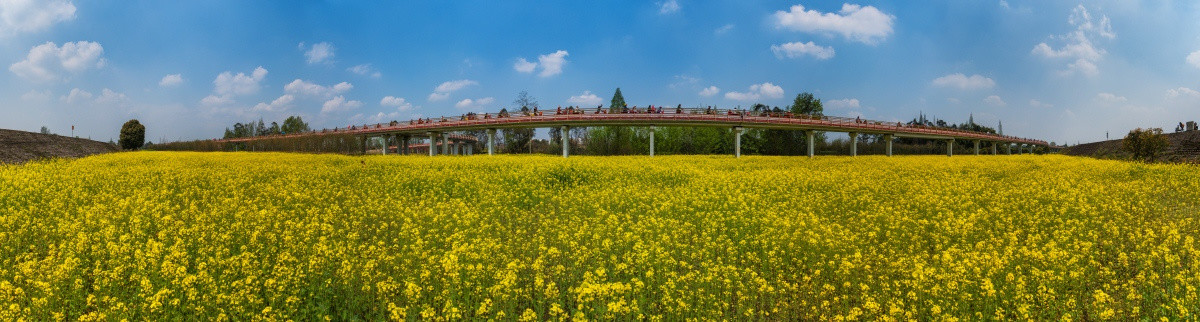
(1062, 71)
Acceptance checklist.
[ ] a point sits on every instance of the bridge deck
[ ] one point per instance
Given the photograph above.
(669, 117)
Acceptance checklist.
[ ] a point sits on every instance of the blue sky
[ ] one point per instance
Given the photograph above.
(1060, 71)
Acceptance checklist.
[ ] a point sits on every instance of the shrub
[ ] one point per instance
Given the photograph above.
(1145, 144)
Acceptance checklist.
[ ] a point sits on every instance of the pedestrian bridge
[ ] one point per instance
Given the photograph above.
(737, 120)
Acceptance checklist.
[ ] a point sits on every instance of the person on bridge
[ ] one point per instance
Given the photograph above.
(559, 111)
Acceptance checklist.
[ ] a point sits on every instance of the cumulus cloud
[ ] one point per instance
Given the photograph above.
(1194, 58)
(867, 24)
(994, 100)
(397, 102)
(36, 96)
(302, 87)
(1039, 104)
(710, 91)
(847, 103)
(33, 15)
(109, 97)
(964, 82)
(756, 92)
(585, 99)
(668, 7)
(1078, 44)
(321, 52)
(551, 64)
(171, 80)
(339, 104)
(1183, 92)
(723, 29)
(228, 83)
(443, 91)
(49, 62)
(474, 104)
(76, 95)
(279, 104)
(1111, 98)
(798, 49)
(365, 70)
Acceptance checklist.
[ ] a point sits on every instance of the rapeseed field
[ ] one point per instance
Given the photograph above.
(272, 236)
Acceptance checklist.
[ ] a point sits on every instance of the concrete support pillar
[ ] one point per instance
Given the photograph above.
(737, 141)
(491, 143)
(457, 147)
(363, 140)
(565, 135)
(652, 129)
(811, 139)
(385, 144)
(432, 144)
(976, 147)
(446, 143)
(406, 139)
(471, 149)
(853, 144)
(950, 147)
(888, 139)
(994, 148)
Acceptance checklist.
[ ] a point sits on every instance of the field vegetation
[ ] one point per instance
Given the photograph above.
(265, 236)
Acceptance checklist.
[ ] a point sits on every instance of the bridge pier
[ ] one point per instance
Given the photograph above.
(565, 135)
(385, 143)
(432, 143)
(888, 138)
(811, 149)
(994, 148)
(976, 147)
(363, 141)
(737, 141)
(853, 144)
(471, 149)
(950, 147)
(652, 128)
(445, 143)
(406, 149)
(491, 143)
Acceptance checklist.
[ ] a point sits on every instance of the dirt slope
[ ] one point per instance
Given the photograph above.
(21, 146)
(1185, 147)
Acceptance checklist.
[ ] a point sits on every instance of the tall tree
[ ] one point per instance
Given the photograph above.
(618, 101)
(517, 140)
(294, 124)
(133, 135)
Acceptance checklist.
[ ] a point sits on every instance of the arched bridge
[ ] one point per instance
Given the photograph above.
(738, 120)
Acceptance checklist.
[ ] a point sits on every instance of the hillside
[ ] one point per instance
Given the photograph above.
(21, 146)
(1185, 147)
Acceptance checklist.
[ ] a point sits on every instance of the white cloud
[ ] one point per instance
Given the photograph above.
(76, 95)
(551, 64)
(443, 91)
(756, 92)
(668, 7)
(397, 102)
(476, 104)
(710, 91)
(994, 100)
(339, 104)
(241, 84)
(279, 104)
(863, 24)
(1194, 58)
(723, 29)
(321, 52)
(365, 70)
(964, 82)
(524, 66)
(171, 80)
(847, 103)
(48, 61)
(302, 87)
(1111, 98)
(1039, 104)
(1078, 43)
(586, 99)
(1182, 92)
(108, 96)
(797, 49)
(213, 100)
(36, 96)
(33, 15)
(682, 81)
(1004, 4)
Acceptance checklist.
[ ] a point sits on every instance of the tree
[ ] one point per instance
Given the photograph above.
(517, 140)
(618, 102)
(45, 130)
(805, 103)
(133, 135)
(1145, 143)
(274, 129)
(294, 124)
